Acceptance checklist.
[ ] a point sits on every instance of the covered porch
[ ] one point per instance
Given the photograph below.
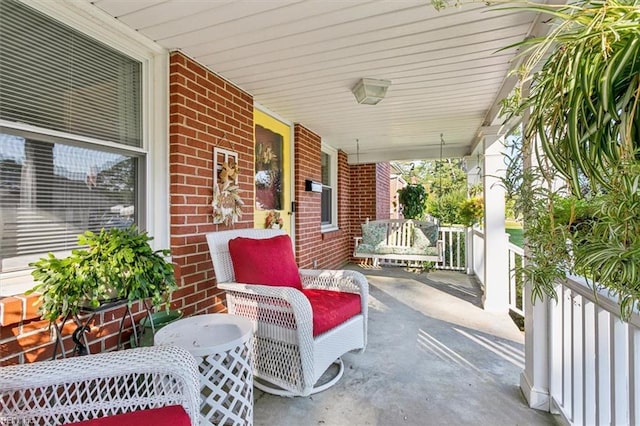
(434, 357)
(442, 350)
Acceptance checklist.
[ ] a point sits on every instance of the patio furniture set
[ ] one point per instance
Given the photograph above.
(285, 327)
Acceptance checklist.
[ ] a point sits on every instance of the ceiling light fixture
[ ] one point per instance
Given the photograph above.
(370, 91)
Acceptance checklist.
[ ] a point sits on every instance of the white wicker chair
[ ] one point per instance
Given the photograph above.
(82, 388)
(286, 355)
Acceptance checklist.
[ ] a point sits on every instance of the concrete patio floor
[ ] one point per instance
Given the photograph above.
(433, 357)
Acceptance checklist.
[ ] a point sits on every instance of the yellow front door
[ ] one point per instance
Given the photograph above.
(272, 172)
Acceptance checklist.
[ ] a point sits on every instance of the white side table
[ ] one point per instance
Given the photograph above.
(222, 345)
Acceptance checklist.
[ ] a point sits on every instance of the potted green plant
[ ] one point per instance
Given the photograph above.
(116, 264)
(413, 198)
(584, 104)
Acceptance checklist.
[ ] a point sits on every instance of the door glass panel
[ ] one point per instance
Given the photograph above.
(268, 169)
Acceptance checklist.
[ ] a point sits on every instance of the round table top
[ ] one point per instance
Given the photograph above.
(206, 334)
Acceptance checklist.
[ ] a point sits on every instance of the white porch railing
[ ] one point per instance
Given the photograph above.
(594, 358)
(477, 255)
(515, 257)
(454, 238)
(593, 355)
(516, 292)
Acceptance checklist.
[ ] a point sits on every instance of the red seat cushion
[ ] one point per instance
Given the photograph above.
(267, 261)
(331, 308)
(173, 415)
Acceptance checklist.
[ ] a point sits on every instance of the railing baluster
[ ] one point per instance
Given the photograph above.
(459, 247)
(619, 393)
(555, 347)
(577, 352)
(567, 354)
(589, 365)
(634, 375)
(603, 375)
(512, 279)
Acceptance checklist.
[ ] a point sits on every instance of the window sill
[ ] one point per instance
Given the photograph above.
(329, 228)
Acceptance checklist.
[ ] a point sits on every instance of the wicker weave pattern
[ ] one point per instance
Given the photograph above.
(81, 388)
(285, 352)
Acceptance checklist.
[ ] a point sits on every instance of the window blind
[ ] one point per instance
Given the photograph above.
(54, 77)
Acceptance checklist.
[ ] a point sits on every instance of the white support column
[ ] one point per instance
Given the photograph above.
(474, 169)
(534, 380)
(496, 261)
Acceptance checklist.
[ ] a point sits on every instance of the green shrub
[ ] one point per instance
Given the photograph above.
(447, 208)
(471, 211)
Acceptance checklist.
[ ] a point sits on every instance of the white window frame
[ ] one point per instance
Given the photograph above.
(154, 199)
(333, 180)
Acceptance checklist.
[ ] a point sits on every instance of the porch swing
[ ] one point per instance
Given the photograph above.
(399, 240)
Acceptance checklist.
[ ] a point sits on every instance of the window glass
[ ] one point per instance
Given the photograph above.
(52, 192)
(326, 205)
(328, 165)
(268, 169)
(326, 169)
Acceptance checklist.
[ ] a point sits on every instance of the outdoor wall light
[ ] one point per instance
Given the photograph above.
(370, 91)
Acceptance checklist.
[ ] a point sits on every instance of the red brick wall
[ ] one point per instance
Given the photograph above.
(314, 248)
(203, 109)
(383, 204)
(363, 189)
(306, 166)
(369, 194)
(24, 337)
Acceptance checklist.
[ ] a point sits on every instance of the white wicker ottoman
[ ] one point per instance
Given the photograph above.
(222, 345)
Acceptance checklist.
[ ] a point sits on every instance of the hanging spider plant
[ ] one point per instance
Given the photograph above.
(585, 89)
(584, 105)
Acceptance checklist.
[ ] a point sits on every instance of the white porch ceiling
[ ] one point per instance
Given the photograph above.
(300, 59)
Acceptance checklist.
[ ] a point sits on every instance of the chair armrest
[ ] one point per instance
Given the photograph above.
(277, 305)
(337, 280)
(356, 243)
(73, 389)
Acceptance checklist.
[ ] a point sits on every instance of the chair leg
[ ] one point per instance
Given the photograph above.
(270, 389)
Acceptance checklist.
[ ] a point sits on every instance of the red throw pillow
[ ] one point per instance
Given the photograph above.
(267, 261)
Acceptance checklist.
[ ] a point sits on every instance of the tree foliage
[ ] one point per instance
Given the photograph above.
(445, 183)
